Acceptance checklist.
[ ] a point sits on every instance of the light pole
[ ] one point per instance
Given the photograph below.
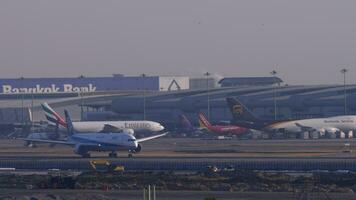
(81, 106)
(344, 71)
(207, 74)
(81, 99)
(274, 73)
(22, 103)
(144, 96)
(32, 124)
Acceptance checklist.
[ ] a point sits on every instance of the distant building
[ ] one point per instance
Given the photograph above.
(171, 83)
(202, 83)
(21, 97)
(15, 115)
(293, 102)
(166, 97)
(117, 82)
(10, 118)
(249, 81)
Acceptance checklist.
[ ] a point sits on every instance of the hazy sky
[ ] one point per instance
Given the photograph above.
(306, 41)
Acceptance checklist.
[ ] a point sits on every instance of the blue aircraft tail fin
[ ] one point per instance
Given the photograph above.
(70, 128)
(185, 123)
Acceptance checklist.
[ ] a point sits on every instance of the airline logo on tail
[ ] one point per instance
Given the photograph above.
(52, 116)
(238, 109)
(203, 122)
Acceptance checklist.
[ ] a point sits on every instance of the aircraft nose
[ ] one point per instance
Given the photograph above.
(160, 128)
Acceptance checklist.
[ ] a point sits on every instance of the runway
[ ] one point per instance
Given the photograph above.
(191, 147)
(172, 154)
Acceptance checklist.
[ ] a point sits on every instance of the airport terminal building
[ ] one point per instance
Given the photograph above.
(164, 98)
(20, 98)
(293, 102)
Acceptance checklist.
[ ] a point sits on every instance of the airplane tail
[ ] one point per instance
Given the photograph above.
(239, 111)
(69, 123)
(186, 125)
(51, 115)
(204, 123)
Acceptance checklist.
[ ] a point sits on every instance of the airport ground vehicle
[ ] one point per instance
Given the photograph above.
(105, 166)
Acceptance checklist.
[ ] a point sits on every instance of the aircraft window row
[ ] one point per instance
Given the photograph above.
(131, 140)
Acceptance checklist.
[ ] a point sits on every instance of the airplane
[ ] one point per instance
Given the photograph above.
(103, 126)
(186, 125)
(187, 128)
(85, 142)
(333, 125)
(244, 117)
(221, 129)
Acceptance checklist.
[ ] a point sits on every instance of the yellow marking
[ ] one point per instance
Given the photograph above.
(273, 125)
(238, 109)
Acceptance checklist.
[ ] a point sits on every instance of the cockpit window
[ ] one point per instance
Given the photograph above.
(131, 140)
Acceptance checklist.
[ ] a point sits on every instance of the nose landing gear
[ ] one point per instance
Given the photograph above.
(85, 155)
(113, 155)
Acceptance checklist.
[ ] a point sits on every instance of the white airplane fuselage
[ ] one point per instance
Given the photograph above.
(339, 123)
(136, 126)
(104, 142)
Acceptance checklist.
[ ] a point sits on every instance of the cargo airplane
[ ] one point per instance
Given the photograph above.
(102, 126)
(83, 143)
(244, 117)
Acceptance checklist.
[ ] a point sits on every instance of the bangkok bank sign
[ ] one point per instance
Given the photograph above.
(53, 88)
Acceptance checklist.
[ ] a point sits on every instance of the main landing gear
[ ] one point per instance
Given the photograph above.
(113, 155)
(85, 155)
(32, 145)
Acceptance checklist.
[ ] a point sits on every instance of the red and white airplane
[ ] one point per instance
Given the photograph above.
(221, 129)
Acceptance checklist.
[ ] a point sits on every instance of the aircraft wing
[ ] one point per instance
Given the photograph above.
(108, 128)
(151, 137)
(49, 141)
(224, 122)
(305, 128)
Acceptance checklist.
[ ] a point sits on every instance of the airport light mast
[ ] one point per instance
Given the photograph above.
(207, 74)
(344, 71)
(81, 100)
(144, 96)
(274, 73)
(32, 105)
(22, 103)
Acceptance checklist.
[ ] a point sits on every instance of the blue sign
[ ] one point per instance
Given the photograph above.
(76, 85)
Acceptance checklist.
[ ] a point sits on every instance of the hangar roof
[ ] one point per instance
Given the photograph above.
(251, 81)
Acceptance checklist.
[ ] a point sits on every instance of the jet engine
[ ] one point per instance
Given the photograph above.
(332, 130)
(79, 149)
(321, 132)
(129, 131)
(329, 132)
(138, 149)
